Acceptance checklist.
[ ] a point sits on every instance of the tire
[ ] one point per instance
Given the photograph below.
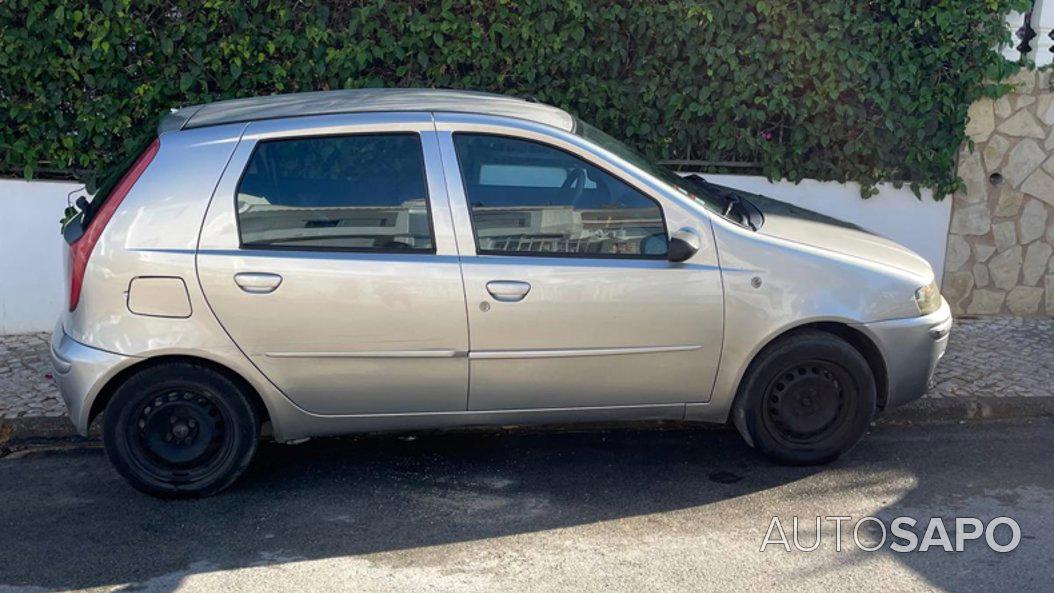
(180, 430)
(806, 399)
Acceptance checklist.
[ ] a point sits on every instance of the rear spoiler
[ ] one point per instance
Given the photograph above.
(177, 119)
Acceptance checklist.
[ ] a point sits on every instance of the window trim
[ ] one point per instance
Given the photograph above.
(242, 245)
(562, 255)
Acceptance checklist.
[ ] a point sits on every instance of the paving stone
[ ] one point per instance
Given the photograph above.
(958, 252)
(1005, 268)
(1003, 109)
(986, 302)
(1023, 125)
(1040, 185)
(971, 220)
(26, 384)
(980, 275)
(982, 251)
(981, 120)
(1009, 202)
(1024, 81)
(1035, 265)
(1048, 283)
(994, 152)
(997, 357)
(957, 288)
(1024, 300)
(1033, 221)
(1024, 158)
(972, 172)
(1022, 101)
(1005, 235)
(1045, 108)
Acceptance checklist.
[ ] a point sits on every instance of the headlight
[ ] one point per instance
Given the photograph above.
(928, 298)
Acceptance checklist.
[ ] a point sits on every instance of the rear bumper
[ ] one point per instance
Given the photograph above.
(81, 372)
(911, 349)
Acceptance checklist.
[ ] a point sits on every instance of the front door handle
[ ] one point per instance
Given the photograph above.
(508, 291)
(257, 282)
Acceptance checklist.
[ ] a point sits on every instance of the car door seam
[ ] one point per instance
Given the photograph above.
(460, 260)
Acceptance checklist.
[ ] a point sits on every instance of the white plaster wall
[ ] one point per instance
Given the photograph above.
(32, 288)
(920, 225)
(32, 291)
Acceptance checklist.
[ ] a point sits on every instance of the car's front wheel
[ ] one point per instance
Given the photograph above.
(806, 399)
(180, 429)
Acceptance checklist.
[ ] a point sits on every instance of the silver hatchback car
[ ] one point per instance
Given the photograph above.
(346, 261)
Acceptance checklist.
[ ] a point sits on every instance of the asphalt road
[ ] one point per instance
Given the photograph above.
(612, 510)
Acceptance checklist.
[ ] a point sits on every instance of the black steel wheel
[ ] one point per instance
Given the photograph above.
(180, 429)
(180, 436)
(806, 399)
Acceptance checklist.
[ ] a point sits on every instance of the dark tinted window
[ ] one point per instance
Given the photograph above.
(364, 192)
(529, 198)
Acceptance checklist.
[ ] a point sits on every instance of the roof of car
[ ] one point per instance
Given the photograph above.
(359, 101)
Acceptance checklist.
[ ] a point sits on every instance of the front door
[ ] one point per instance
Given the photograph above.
(571, 301)
(328, 256)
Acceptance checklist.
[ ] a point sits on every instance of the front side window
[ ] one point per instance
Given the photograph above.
(359, 193)
(527, 198)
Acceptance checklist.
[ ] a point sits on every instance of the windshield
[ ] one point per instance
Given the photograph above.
(685, 186)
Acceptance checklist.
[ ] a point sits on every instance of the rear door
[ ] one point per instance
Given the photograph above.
(328, 255)
(571, 301)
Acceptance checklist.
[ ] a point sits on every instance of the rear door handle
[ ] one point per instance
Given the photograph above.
(257, 282)
(508, 291)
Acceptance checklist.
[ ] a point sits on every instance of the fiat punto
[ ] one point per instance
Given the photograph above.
(327, 263)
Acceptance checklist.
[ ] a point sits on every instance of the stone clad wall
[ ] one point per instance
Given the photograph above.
(1001, 236)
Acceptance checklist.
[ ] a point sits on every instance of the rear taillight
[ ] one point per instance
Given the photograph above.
(80, 250)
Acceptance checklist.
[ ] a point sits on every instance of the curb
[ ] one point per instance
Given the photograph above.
(36, 427)
(946, 409)
(925, 410)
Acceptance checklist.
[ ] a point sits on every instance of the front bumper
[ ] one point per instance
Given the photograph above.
(81, 372)
(911, 349)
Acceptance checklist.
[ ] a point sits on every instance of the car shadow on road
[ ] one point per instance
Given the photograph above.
(79, 526)
(67, 521)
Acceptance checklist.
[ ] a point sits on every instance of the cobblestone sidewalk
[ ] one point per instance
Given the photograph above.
(987, 357)
(997, 357)
(26, 385)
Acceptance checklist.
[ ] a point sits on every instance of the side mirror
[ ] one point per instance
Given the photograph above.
(683, 245)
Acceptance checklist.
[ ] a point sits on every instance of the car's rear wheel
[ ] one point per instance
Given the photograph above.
(806, 399)
(180, 430)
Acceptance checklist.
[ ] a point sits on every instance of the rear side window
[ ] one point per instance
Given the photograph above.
(355, 193)
(528, 198)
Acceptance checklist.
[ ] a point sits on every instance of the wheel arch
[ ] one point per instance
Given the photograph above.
(859, 340)
(102, 399)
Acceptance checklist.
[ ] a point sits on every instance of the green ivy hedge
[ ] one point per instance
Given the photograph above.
(861, 90)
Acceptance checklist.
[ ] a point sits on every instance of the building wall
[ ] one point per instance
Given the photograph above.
(31, 250)
(1001, 237)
